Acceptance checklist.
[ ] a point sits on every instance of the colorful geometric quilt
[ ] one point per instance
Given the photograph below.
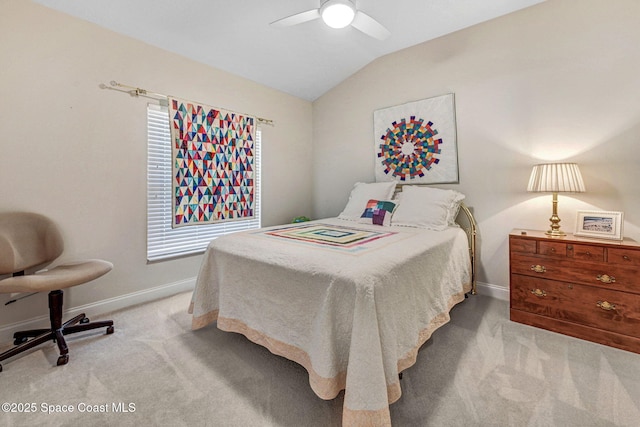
(213, 164)
(416, 142)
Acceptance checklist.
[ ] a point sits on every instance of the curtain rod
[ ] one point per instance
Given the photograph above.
(164, 99)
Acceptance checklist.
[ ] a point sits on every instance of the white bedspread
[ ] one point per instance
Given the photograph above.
(354, 317)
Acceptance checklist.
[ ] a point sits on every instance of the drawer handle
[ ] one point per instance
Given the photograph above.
(605, 278)
(538, 268)
(626, 258)
(538, 292)
(605, 305)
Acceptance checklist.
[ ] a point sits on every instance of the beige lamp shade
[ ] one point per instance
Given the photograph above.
(556, 178)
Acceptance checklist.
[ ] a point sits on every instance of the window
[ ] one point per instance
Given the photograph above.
(163, 241)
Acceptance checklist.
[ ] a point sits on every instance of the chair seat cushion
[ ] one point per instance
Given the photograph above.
(59, 277)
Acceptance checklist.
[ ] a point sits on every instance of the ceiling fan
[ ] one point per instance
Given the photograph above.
(338, 14)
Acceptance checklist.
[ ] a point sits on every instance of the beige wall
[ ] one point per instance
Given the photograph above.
(78, 153)
(552, 82)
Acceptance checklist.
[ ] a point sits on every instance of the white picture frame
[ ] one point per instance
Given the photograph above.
(600, 224)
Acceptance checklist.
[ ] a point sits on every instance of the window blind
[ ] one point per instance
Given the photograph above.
(164, 242)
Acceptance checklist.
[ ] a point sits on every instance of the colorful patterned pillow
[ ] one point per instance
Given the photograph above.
(378, 212)
(362, 192)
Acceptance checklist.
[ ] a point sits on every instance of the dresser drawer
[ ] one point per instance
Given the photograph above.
(604, 275)
(569, 250)
(624, 257)
(522, 245)
(598, 308)
(585, 252)
(553, 249)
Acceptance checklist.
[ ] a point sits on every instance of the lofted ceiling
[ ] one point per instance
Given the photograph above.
(305, 60)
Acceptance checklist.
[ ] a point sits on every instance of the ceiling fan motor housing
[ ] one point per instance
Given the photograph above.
(338, 13)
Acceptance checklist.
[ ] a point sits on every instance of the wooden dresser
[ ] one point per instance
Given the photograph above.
(584, 288)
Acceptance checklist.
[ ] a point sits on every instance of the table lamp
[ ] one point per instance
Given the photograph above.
(556, 178)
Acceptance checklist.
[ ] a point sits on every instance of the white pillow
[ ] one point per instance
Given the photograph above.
(427, 207)
(455, 208)
(362, 193)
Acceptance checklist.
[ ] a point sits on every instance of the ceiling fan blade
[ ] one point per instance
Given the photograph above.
(370, 26)
(298, 18)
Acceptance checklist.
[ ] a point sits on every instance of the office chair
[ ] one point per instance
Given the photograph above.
(28, 243)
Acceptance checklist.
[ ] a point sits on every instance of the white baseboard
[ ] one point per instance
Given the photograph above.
(102, 307)
(492, 291)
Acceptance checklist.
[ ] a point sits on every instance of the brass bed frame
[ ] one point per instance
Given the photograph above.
(468, 224)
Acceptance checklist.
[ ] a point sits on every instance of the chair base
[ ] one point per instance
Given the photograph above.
(56, 332)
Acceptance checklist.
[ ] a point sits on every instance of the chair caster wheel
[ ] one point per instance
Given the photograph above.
(85, 320)
(63, 359)
(20, 340)
(110, 330)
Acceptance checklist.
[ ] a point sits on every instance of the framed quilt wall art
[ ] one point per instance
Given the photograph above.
(415, 143)
(213, 170)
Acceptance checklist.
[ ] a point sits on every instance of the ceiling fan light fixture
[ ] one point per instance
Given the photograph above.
(338, 13)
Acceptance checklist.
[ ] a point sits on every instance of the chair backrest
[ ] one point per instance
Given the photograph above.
(27, 240)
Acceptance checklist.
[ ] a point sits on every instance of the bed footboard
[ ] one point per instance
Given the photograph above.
(468, 223)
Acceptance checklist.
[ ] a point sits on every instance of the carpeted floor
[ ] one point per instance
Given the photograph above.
(478, 370)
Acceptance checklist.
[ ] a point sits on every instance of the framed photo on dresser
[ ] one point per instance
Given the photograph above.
(600, 224)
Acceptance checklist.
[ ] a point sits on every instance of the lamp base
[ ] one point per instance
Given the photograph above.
(555, 231)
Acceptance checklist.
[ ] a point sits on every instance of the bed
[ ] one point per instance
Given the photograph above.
(350, 298)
